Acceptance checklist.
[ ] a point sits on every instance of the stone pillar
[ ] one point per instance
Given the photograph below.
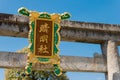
(116, 76)
(104, 54)
(112, 59)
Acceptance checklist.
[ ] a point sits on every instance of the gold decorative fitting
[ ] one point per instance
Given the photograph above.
(44, 38)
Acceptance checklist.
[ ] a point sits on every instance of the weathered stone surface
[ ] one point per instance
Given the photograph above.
(17, 26)
(68, 63)
(11, 59)
(116, 76)
(91, 26)
(104, 54)
(112, 59)
(13, 25)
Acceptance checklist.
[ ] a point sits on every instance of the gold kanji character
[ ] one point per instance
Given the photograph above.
(44, 28)
(43, 49)
(44, 38)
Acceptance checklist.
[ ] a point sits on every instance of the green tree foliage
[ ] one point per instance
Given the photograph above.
(17, 74)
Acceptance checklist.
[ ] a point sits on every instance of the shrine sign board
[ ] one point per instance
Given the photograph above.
(44, 36)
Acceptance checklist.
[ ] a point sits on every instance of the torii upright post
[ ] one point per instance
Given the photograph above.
(112, 59)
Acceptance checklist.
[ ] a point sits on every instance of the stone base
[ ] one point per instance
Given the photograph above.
(116, 76)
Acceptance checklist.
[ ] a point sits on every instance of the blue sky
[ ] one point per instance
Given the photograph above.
(100, 11)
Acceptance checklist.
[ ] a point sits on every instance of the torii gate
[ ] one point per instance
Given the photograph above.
(107, 35)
